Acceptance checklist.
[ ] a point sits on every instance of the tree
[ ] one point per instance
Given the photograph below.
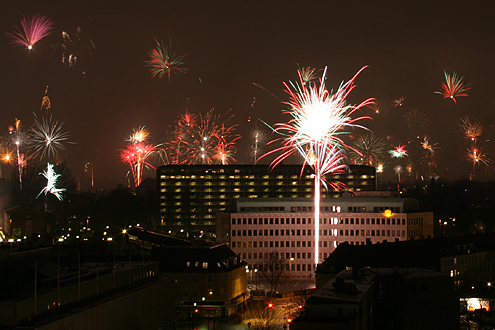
(274, 271)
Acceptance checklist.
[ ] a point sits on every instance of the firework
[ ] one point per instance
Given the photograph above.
(257, 140)
(399, 152)
(428, 147)
(48, 138)
(319, 119)
(89, 168)
(137, 155)
(51, 184)
(207, 140)
(19, 141)
(77, 51)
(308, 75)
(453, 87)
(399, 102)
(476, 156)
(164, 61)
(471, 131)
(34, 29)
(368, 149)
(140, 135)
(416, 121)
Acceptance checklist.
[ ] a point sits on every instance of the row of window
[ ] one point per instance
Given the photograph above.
(195, 278)
(194, 293)
(293, 267)
(323, 221)
(322, 232)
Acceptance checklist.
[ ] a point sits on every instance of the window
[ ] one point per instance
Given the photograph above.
(210, 278)
(195, 278)
(186, 279)
(205, 265)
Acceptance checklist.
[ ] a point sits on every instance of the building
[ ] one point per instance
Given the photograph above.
(382, 298)
(191, 195)
(210, 279)
(23, 221)
(261, 227)
(52, 289)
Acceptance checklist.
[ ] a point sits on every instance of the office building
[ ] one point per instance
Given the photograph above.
(191, 195)
(261, 227)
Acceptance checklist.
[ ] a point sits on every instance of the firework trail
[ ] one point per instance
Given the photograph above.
(368, 149)
(398, 152)
(257, 141)
(34, 28)
(51, 185)
(428, 151)
(48, 138)
(19, 141)
(89, 168)
(318, 120)
(453, 87)
(46, 104)
(164, 61)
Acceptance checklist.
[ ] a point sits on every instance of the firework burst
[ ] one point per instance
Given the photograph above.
(472, 131)
(476, 156)
(368, 149)
(51, 185)
(140, 135)
(136, 155)
(398, 152)
(453, 87)
(428, 147)
(206, 139)
(399, 102)
(308, 75)
(48, 138)
(319, 119)
(164, 61)
(34, 28)
(139, 153)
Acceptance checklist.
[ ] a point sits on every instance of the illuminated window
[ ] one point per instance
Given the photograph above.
(205, 265)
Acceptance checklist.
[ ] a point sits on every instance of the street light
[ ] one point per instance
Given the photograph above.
(290, 274)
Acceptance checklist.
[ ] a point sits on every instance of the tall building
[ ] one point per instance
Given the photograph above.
(191, 195)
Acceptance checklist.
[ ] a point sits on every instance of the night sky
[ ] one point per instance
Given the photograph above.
(229, 45)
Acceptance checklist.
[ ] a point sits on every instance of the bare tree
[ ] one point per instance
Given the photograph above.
(274, 271)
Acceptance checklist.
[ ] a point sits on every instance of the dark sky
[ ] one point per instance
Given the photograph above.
(229, 45)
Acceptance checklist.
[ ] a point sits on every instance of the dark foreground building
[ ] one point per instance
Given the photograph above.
(382, 298)
(50, 289)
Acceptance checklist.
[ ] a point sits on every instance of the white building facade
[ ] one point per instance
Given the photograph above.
(261, 227)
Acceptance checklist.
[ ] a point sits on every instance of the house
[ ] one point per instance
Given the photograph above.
(24, 221)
